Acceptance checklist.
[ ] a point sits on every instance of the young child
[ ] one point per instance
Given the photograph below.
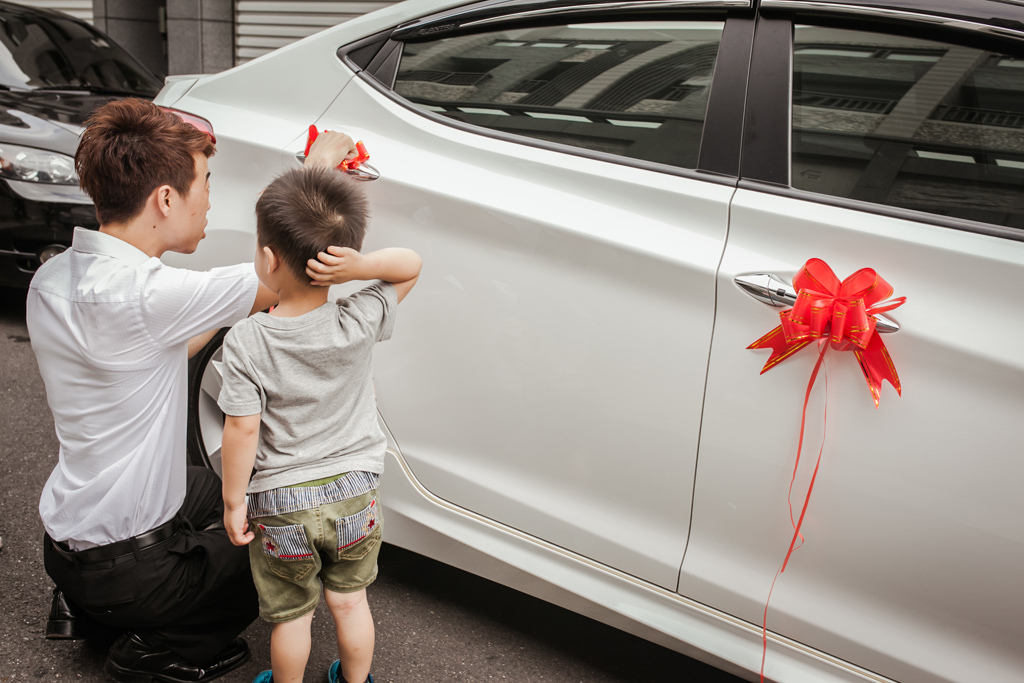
(299, 399)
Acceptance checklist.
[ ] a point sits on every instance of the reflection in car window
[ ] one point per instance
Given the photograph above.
(39, 52)
(910, 123)
(636, 89)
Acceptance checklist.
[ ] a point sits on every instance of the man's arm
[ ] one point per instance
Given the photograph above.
(196, 343)
(265, 298)
(399, 266)
(238, 454)
(182, 306)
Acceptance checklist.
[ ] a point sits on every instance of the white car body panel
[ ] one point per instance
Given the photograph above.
(889, 575)
(546, 389)
(281, 93)
(549, 370)
(419, 521)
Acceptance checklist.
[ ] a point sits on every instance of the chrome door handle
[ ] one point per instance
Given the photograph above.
(364, 172)
(769, 289)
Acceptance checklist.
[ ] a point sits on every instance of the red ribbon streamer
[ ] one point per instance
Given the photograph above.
(837, 314)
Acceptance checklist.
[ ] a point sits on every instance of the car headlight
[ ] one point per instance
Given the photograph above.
(36, 165)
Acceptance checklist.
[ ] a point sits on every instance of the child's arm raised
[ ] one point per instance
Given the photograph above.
(238, 453)
(399, 266)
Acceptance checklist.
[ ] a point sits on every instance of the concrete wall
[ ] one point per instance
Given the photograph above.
(171, 36)
(138, 26)
(200, 36)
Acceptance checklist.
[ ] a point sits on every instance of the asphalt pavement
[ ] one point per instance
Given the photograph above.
(434, 623)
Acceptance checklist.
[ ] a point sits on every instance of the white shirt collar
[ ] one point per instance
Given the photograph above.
(100, 243)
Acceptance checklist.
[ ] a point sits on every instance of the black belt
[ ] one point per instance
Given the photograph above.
(112, 551)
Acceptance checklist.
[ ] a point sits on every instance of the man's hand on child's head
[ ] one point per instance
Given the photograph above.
(335, 266)
(237, 525)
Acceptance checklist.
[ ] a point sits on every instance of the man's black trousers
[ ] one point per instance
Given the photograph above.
(192, 593)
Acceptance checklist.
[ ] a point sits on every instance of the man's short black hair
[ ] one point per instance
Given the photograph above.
(304, 211)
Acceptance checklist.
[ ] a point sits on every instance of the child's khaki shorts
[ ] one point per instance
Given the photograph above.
(335, 543)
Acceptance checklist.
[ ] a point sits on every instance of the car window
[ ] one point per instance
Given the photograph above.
(909, 123)
(635, 89)
(48, 52)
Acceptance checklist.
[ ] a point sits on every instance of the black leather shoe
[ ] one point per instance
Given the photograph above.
(64, 622)
(131, 660)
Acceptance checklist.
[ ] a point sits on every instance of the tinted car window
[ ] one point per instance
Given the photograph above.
(39, 52)
(910, 123)
(637, 89)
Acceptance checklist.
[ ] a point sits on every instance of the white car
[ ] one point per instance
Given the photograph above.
(597, 188)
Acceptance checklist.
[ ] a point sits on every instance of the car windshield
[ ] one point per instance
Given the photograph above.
(49, 52)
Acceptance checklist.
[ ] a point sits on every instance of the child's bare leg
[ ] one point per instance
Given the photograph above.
(289, 649)
(354, 626)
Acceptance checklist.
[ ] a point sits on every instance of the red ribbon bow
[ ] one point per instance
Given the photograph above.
(840, 312)
(843, 312)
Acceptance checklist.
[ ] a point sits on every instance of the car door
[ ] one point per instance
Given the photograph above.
(568, 188)
(888, 141)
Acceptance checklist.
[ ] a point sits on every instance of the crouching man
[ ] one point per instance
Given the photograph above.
(134, 538)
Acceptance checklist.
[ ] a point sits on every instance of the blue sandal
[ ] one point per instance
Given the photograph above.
(334, 674)
(264, 677)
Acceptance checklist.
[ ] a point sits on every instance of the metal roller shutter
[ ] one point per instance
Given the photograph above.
(80, 9)
(263, 25)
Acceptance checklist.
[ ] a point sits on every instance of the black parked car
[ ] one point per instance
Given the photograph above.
(54, 71)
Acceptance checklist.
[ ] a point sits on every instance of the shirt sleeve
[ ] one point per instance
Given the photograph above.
(178, 304)
(374, 306)
(240, 392)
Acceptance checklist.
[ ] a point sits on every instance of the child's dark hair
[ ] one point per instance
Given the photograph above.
(304, 211)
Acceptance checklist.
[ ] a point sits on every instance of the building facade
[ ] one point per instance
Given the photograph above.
(206, 36)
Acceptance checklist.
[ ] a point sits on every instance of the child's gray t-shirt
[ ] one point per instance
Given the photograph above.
(310, 378)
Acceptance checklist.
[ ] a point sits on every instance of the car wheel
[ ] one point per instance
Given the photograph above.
(205, 419)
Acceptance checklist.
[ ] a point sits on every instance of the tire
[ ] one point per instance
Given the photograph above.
(205, 419)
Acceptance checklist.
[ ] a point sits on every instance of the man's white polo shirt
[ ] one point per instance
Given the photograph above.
(110, 329)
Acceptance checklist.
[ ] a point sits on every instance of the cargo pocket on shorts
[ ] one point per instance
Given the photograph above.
(359, 533)
(287, 550)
